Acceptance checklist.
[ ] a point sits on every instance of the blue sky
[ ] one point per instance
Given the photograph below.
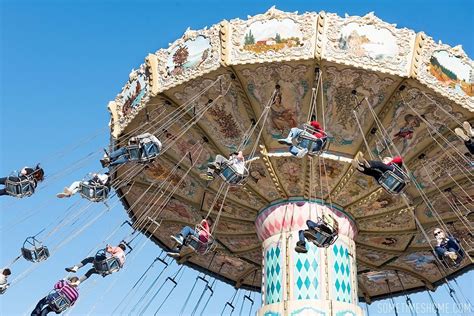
(62, 61)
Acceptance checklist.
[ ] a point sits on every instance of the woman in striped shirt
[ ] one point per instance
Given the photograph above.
(65, 288)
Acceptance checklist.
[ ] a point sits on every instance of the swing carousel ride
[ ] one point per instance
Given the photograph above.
(242, 85)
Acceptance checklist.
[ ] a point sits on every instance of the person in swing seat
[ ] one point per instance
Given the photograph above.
(447, 247)
(236, 159)
(66, 288)
(36, 174)
(375, 168)
(324, 225)
(4, 274)
(149, 144)
(467, 135)
(318, 133)
(97, 179)
(117, 252)
(203, 235)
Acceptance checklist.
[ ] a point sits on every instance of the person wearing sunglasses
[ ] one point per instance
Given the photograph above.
(447, 247)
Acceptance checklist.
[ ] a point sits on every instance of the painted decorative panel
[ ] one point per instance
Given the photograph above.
(369, 42)
(388, 241)
(273, 275)
(196, 53)
(373, 257)
(341, 272)
(448, 71)
(338, 88)
(306, 274)
(274, 35)
(399, 220)
(260, 181)
(225, 119)
(285, 111)
(404, 122)
(423, 263)
(133, 96)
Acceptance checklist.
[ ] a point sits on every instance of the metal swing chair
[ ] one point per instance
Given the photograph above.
(93, 191)
(232, 176)
(307, 135)
(197, 245)
(105, 265)
(394, 181)
(33, 250)
(3, 288)
(18, 187)
(58, 302)
(142, 153)
(325, 234)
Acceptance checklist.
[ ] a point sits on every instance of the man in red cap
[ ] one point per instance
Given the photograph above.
(317, 144)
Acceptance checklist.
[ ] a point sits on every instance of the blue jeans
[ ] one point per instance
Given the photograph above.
(186, 231)
(311, 225)
(119, 156)
(294, 133)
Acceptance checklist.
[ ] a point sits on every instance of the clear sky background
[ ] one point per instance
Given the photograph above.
(60, 63)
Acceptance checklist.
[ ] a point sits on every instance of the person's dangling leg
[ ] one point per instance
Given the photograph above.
(46, 311)
(42, 302)
(470, 146)
(294, 132)
(301, 243)
(80, 264)
(69, 191)
(88, 274)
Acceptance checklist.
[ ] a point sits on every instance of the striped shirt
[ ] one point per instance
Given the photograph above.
(64, 287)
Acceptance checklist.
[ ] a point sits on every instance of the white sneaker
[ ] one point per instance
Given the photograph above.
(302, 153)
(179, 239)
(461, 134)
(468, 128)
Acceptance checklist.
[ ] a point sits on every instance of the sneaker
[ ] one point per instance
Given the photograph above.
(302, 153)
(301, 247)
(285, 141)
(468, 128)
(173, 254)
(105, 162)
(452, 255)
(179, 239)
(72, 269)
(461, 134)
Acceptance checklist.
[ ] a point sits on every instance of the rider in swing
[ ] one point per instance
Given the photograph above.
(375, 168)
(295, 132)
(203, 235)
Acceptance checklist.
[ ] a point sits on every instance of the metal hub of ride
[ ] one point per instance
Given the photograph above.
(419, 91)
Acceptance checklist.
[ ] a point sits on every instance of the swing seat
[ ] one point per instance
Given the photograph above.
(58, 302)
(198, 245)
(104, 265)
(392, 182)
(93, 192)
(19, 189)
(311, 141)
(452, 264)
(232, 176)
(143, 153)
(323, 235)
(34, 251)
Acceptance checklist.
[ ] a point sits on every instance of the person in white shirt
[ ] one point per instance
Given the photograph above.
(97, 179)
(236, 159)
(150, 145)
(4, 273)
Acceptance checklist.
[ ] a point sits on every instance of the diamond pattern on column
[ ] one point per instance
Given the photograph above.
(306, 274)
(341, 273)
(273, 276)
